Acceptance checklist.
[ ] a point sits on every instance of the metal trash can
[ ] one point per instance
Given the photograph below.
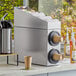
(5, 36)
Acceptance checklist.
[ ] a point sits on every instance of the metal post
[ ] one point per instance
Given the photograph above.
(25, 3)
(7, 59)
(17, 60)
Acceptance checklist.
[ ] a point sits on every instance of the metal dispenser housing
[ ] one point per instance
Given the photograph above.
(32, 34)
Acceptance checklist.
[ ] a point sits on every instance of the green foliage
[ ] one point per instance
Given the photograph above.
(33, 4)
(7, 6)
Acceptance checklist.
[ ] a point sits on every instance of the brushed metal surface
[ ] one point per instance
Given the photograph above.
(31, 36)
(31, 42)
(0, 40)
(6, 41)
(24, 19)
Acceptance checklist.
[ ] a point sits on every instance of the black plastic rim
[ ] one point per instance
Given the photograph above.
(50, 56)
(50, 38)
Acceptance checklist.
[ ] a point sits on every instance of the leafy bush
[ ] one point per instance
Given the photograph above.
(7, 6)
(33, 4)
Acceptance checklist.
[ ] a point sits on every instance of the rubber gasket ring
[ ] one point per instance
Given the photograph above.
(50, 56)
(50, 38)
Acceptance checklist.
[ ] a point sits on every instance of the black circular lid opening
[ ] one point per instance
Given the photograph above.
(50, 56)
(50, 38)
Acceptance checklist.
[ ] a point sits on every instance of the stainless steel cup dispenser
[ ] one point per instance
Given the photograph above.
(5, 36)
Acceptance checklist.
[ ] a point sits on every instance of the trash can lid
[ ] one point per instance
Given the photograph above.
(6, 24)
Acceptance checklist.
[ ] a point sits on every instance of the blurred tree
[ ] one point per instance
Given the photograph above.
(33, 4)
(7, 6)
